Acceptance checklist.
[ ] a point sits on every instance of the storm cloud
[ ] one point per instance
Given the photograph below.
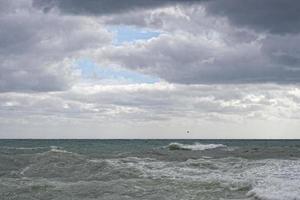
(103, 7)
(196, 47)
(276, 16)
(201, 42)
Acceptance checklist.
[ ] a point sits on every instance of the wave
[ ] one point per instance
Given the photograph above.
(58, 149)
(22, 148)
(275, 180)
(267, 179)
(193, 147)
(52, 148)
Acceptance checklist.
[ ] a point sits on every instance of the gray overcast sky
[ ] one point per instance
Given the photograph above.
(149, 69)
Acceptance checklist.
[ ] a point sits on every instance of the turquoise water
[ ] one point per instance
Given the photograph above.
(149, 169)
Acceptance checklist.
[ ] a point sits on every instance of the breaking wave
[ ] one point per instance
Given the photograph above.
(193, 147)
(58, 149)
(265, 179)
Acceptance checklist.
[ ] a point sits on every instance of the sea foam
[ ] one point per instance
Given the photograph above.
(269, 179)
(194, 147)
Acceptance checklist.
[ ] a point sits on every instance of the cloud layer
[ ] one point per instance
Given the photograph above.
(161, 105)
(204, 43)
(214, 65)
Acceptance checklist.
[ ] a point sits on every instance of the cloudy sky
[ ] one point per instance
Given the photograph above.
(149, 69)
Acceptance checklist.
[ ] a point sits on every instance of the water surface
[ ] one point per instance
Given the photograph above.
(149, 169)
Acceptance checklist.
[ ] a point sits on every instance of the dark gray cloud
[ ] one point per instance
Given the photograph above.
(182, 59)
(283, 50)
(101, 7)
(226, 41)
(275, 16)
(199, 48)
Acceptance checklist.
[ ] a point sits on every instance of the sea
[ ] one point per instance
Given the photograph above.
(149, 169)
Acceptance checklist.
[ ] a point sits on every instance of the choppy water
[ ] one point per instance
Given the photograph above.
(149, 169)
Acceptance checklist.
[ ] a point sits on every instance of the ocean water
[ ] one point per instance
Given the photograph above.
(149, 169)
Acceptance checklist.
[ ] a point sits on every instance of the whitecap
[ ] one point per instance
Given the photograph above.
(276, 180)
(268, 179)
(194, 147)
(58, 150)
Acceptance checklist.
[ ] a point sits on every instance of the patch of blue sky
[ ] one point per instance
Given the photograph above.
(90, 70)
(130, 34)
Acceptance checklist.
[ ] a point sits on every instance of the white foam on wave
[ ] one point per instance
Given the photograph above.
(276, 180)
(22, 172)
(194, 147)
(269, 179)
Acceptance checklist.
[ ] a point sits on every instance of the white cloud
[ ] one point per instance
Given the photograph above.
(140, 105)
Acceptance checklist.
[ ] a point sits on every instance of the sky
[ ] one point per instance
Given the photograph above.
(150, 69)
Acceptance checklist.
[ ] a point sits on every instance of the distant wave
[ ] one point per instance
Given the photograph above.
(193, 147)
(58, 150)
(22, 148)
